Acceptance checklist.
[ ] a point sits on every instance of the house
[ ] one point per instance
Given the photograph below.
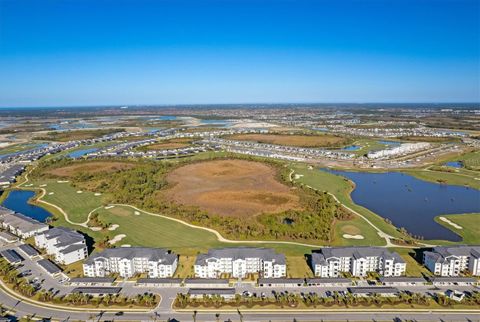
(453, 260)
(66, 245)
(20, 225)
(128, 261)
(358, 261)
(239, 262)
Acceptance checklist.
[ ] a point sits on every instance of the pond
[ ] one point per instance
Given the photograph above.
(352, 148)
(17, 200)
(389, 143)
(454, 164)
(410, 202)
(80, 153)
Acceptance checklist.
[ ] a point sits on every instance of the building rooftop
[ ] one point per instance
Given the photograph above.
(11, 256)
(19, 221)
(440, 254)
(64, 236)
(159, 281)
(29, 250)
(211, 291)
(49, 266)
(97, 290)
(206, 281)
(355, 252)
(241, 253)
(152, 254)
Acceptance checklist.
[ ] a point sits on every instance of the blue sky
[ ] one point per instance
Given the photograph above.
(105, 52)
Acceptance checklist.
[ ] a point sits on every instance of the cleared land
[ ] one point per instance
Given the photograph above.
(312, 141)
(90, 167)
(169, 144)
(231, 188)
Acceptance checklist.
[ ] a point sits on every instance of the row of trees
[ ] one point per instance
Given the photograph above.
(286, 299)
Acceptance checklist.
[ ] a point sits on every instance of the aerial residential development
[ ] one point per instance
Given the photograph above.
(240, 161)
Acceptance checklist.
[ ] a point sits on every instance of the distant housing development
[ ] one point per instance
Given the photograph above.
(239, 262)
(20, 225)
(128, 261)
(358, 261)
(68, 246)
(453, 260)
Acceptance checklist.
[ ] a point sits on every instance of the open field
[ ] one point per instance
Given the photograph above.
(185, 266)
(470, 226)
(312, 141)
(63, 136)
(90, 167)
(17, 148)
(231, 188)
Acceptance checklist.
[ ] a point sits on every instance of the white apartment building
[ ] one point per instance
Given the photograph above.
(453, 260)
(20, 225)
(128, 261)
(239, 262)
(358, 261)
(398, 150)
(66, 245)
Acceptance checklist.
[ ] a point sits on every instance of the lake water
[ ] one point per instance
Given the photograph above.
(222, 123)
(389, 143)
(454, 164)
(80, 153)
(410, 202)
(352, 148)
(17, 200)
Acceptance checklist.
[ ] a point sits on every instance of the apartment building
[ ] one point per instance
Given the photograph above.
(239, 262)
(128, 261)
(453, 260)
(66, 245)
(20, 225)
(358, 261)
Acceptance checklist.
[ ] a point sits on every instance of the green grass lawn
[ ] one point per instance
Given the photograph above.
(297, 267)
(341, 188)
(462, 178)
(470, 224)
(76, 205)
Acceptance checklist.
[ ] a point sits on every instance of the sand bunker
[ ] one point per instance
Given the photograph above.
(79, 191)
(97, 194)
(43, 185)
(137, 213)
(96, 228)
(348, 236)
(117, 238)
(231, 188)
(451, 223)
(298, 176)
(126, 245)
(51, 193)
(113, 227)
(62, 181)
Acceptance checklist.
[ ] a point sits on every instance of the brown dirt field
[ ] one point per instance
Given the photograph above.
(90, 167)
(231, 188)
(170, 144)
(305, 141)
